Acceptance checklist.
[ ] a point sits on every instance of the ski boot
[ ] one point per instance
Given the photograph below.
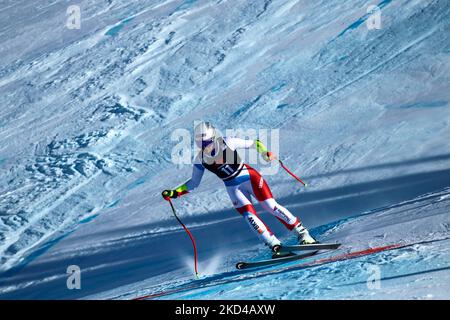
(274, 244)
(303, 235)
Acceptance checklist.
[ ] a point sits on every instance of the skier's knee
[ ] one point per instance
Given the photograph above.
(247, 208)
(269, 204)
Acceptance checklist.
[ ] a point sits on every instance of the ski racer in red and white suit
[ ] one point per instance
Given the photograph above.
(243, 182)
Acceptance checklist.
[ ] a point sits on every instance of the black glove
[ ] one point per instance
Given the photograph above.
(166, 194)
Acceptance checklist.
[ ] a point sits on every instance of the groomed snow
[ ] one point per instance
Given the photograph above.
(87, 115)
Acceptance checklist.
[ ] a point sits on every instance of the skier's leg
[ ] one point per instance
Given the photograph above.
(281, 213)
(262, 193)
(263, 232)
(242, 203)
(288, 219)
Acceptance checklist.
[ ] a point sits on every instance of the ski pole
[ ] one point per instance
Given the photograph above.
(189, 233)
(288, 171)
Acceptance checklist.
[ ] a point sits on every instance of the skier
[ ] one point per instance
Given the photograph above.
(219, 155)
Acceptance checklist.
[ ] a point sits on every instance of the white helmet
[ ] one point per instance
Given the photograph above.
(204, 134)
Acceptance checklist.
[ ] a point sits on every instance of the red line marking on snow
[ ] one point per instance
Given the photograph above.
(356, 254)
(164, 293)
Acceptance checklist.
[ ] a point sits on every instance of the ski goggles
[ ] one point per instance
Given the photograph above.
(204, 143)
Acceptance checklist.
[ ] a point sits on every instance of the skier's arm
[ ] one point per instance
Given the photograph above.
(194, 181)
(237, 143)
(191, 184)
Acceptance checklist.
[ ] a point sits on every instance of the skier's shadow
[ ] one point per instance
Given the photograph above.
(319, 207)
(390, 165)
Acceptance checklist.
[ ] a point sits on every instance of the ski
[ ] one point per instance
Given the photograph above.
(245, 265)
(303, 247)
(315, 246)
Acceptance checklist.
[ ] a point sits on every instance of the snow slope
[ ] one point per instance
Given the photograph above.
(417, 271)
(87, 117)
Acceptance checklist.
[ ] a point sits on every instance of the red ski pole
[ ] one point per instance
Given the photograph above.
(190, 236)
(288, 171)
